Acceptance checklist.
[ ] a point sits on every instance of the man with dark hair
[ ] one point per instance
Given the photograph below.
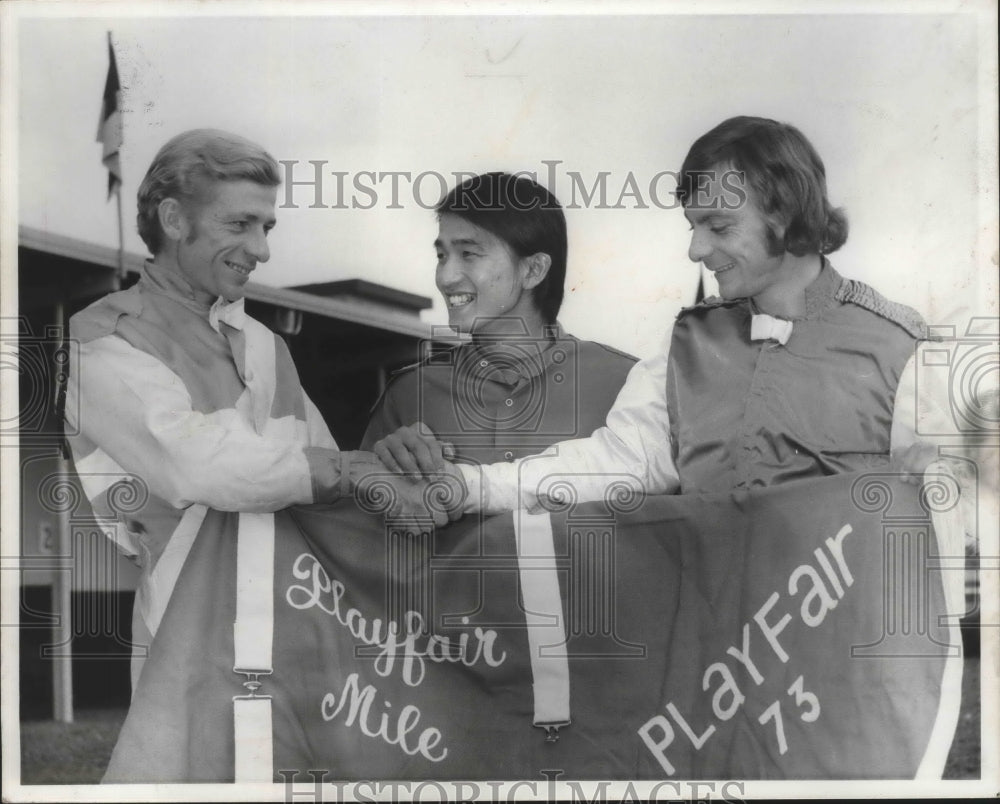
(782, 170)
(522, 384)
(178, 391)
(795, 372)
(529, 221)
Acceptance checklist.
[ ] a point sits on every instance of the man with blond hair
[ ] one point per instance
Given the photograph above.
(182, 394)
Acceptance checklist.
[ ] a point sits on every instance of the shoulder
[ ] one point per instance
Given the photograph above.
(592, 352)
(438, 358)
(708, 305)
(852, 291)
(402, 379)
(401, 386)
(101, 318)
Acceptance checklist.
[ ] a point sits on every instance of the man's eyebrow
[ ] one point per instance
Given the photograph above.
(710, 216)
(252, 216)
(461, 241)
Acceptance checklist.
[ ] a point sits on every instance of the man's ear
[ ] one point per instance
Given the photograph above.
(172, 219)
(536, 269)
(775, 232)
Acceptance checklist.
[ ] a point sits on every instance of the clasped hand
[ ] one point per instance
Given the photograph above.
(420, 480)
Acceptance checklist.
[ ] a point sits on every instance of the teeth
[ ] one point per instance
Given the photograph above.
(239, 267)
(723, 268)
(459, 299)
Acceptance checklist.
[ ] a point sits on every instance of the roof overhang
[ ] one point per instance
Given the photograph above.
(355, 311)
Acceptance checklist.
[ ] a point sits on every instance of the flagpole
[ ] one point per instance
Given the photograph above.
(109, 134)
(120, 274)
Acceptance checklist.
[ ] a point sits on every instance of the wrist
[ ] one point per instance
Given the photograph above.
(324, 473)
(357, 465)
(336, 474)
(472, 478)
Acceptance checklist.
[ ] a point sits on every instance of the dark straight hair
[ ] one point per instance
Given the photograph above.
(526, 217)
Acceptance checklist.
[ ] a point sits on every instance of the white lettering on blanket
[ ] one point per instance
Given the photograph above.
(358, 702)
(327, 594)
(818, 600)
(359, 705)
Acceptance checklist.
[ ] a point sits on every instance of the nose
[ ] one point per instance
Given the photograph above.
(699, 248)
(447, 273)
(257, 246)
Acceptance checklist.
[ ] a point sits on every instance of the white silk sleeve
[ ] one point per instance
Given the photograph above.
(318, 433)
(922, 408)
(631, 451)
(140, 414)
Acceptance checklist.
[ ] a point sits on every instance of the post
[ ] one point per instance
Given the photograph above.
(120, 275)
(62, 588)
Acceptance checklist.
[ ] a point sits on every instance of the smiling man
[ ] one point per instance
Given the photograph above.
(795, 372)
(522, 383)
(180, 393)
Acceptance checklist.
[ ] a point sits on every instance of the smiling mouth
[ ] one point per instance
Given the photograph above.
(723, 268)
(240, 268)
(459, 299)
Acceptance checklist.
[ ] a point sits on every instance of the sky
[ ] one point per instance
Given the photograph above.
(901, 106)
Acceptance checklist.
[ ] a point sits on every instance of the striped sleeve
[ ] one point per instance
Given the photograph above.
(140, 414)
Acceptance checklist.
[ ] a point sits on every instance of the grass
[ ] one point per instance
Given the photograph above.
(964, 759)
(78, 753)
(69, 753)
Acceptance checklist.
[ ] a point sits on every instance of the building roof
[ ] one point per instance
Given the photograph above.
(375, 306)
(369, 291)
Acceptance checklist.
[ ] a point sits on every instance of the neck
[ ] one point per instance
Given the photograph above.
(170, 272)
(521, 326)
(787, 299)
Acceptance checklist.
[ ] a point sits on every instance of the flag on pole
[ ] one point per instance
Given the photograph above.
(109, 129)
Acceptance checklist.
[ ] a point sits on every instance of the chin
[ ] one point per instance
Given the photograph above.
(459, 325)
(233, 292)
(731, 291)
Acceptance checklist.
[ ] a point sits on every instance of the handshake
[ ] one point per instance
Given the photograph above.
(410, 476)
